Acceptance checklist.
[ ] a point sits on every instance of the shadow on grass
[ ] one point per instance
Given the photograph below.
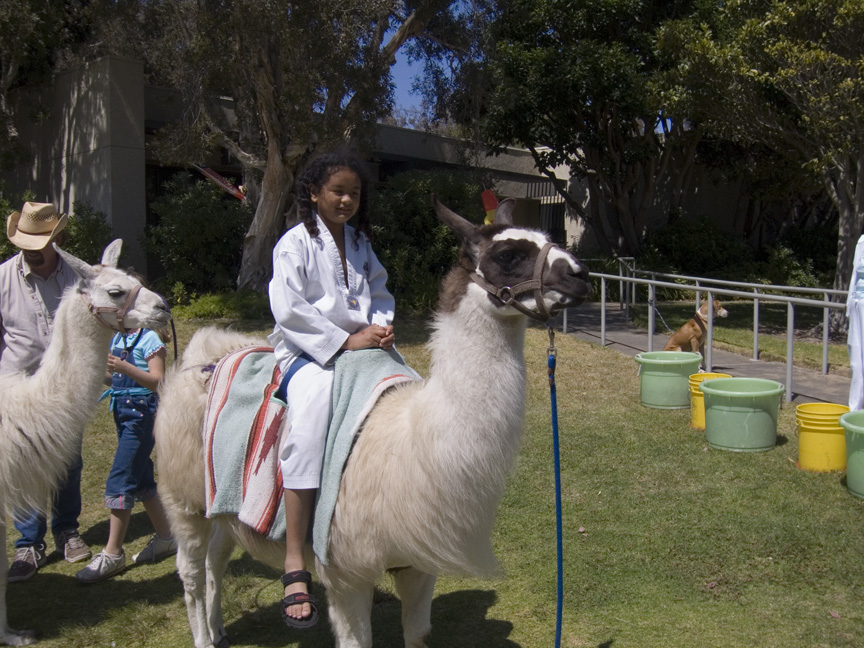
(459, 614)
(463, 614)
(51, 603)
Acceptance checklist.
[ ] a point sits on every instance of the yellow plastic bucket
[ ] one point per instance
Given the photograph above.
(821, 439)
(697, 398)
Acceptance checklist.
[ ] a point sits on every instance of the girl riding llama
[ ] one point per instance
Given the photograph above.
(328, 294)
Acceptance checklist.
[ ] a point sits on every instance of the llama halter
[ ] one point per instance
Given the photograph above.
(119, 313)
(507, 294)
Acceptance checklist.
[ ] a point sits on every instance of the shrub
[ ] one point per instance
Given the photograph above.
(414, 246)
(783, 267)
(816, 247)
(695, 247)
(199, 237)
(88, 232)
(243, 305)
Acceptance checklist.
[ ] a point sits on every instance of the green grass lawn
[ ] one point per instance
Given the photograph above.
(735, 332)
(667, 543)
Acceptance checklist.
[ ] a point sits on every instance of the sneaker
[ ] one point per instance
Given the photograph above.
(157, 549)
(73, 548)
(103, 566)
(27, 562)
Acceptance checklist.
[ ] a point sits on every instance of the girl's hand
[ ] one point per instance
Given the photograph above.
(372, 337)
(389, 338)
(116, 365)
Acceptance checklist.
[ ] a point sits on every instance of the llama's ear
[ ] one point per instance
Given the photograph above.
(112, 253)
(504, 211)
(84, 270)
(462, 228)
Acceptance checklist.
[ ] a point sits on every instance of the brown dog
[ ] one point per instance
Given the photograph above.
(691, 336)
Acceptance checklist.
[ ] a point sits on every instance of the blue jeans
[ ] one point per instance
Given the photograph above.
(64, 511)
(131, 477)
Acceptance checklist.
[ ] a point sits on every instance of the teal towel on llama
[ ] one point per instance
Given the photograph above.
(361, 377)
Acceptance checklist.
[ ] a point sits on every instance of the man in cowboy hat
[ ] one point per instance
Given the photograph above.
(31, 285)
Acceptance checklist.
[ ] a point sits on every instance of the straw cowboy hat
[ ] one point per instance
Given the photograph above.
(35, 225)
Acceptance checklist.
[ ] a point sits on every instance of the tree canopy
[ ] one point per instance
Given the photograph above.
(791, 71)
(627, 93)
(588, 85)
(302, 75)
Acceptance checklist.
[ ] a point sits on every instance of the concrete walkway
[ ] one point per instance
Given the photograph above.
(808, 385)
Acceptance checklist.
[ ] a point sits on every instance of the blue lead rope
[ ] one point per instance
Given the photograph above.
(552, 352)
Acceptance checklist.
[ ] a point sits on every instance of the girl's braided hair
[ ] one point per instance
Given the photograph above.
(316, 175)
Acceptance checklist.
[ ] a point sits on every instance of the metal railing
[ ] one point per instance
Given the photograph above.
(628, 283)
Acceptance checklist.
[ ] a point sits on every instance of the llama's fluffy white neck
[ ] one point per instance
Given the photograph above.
(74, 364)
(474, 350)
(477, 380)
(44, 415)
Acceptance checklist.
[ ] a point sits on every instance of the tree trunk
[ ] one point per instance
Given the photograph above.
(846, 186)
(256, 268)
(599, 221)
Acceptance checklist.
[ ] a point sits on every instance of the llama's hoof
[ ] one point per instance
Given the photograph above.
(223, 642)
(18, 638)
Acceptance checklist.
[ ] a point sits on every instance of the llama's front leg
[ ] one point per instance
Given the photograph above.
(415, 589)
(218, 554)
(350, 611)
(193, 535)
(7, 635)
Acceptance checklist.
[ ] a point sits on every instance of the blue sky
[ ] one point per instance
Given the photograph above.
(403, 77)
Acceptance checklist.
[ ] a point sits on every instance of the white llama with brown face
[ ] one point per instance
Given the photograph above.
(38, 442)
(420, 489)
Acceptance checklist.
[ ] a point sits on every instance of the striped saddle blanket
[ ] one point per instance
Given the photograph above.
(241, 441)
(242, 424)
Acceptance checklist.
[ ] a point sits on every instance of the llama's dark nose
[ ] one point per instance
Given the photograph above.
(579, 270)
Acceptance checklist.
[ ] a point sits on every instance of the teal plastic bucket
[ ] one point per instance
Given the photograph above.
(741, 413)
(853, 423)
(665, 378)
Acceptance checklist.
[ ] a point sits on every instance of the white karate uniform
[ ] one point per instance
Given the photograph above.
(855, 336)
(315, 312)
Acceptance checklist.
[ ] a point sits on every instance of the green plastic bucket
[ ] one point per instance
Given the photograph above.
(665, 378)
(853, 423)
(741, 413)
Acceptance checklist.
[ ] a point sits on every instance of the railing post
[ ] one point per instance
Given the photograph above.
(709, 343)
(630, 284)
(603, 311)
(755, 324)
(651, 296)
(826, 329)
(790, 344)
(622, 285)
